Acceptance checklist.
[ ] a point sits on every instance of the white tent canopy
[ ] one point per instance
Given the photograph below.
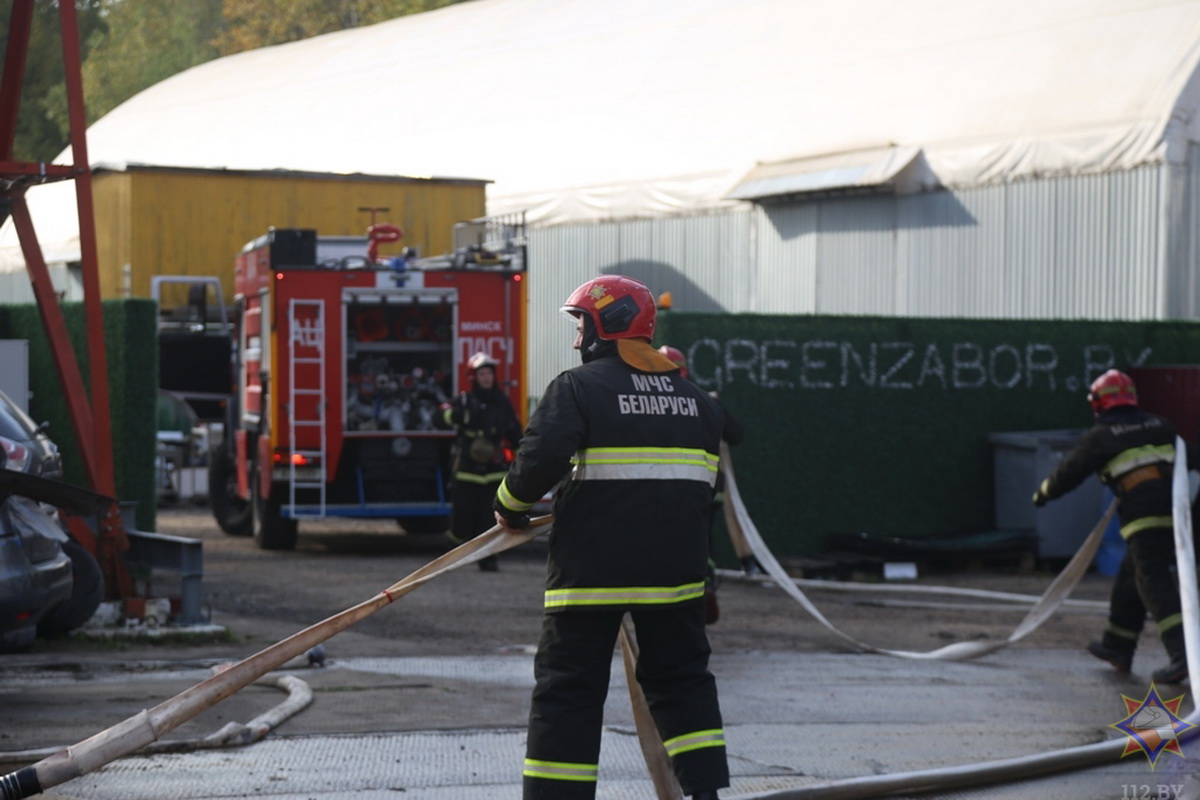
(607, 109)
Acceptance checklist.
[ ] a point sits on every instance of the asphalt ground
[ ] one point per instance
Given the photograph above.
(433, 715)
(790, 723)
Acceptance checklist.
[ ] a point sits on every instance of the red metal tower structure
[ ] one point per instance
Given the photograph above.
(89, 418)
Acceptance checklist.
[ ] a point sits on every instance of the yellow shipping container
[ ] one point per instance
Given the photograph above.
(154, 220)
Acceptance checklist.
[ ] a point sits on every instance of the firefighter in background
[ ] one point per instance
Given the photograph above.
(486, 423)
(1133, 452)
(732, 433)
(640, 445)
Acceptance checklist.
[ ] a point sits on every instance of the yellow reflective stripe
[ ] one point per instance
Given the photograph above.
(560, 770)
(1166, 623)
(508, 501)
(645, 472)
(1136, 457)
(694, 741)
(1122, 633)
(647, 455)
(447, 414)
(645, 463)
(1141, 524)
(623, 595)
(472, 477)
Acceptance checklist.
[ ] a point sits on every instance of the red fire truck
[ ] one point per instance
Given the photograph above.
(342, 360)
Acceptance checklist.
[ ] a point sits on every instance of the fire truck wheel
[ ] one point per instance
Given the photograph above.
(271, 531)
(233, 514)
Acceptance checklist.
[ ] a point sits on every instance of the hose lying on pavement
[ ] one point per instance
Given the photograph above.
(1042, 610)
(1072, 758)
(147, 726)
(1011, 598)
(232, 734)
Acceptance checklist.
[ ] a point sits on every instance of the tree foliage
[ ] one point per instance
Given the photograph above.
(144, 42)
(42, 130)
(250, 24)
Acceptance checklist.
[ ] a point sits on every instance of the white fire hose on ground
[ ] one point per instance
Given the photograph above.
(145, 728)
(232, 734)
(1012, 769)
(149, 725)
(1042, 610)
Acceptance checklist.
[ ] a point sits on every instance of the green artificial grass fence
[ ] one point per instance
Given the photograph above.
(880, 425)
(130, 330)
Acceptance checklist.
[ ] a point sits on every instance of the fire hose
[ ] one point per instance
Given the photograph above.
(1012, 769)
(232, 734)
(147, 726)
(1043, 609)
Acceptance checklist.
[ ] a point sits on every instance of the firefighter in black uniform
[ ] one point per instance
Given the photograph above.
(486, 422)
(1133, 452)
(641, 447)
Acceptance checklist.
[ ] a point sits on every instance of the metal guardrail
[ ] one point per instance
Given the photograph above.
(179, 554)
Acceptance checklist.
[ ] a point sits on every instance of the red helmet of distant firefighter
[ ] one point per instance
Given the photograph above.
(1113, 388)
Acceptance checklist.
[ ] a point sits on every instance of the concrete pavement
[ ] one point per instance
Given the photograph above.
(792, 720)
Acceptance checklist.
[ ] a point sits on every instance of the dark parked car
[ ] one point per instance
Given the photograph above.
(49, 583)
(38, 454)
(36, 575)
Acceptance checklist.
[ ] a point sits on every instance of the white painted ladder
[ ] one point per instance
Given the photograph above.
(310, 338)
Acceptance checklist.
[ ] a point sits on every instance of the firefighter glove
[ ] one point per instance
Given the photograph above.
(1040, 497)
(515, 519)
(458, 410)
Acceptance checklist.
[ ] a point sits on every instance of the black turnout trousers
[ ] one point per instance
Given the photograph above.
(572, 674)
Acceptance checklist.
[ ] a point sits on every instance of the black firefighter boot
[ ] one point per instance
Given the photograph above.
(750, 566)
(1177, 670)
(1114, 650)
(705, 796)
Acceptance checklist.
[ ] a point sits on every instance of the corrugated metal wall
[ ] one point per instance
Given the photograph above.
(15, 288)
(1090, 247)
(1085, 247)
(704, 261)
(1183, 227)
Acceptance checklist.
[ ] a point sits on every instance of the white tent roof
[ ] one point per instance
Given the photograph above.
(601, 109)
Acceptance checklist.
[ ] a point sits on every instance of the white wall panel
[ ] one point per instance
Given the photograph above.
(1092, 247)
(703, 261)
(785, 264)
(856, 256)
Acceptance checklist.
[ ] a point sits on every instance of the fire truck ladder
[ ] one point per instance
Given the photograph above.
(296, 455)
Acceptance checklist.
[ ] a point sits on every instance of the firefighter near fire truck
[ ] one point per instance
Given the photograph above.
(1133, 452)
(639, 446)
(488, 432)
(342, 359)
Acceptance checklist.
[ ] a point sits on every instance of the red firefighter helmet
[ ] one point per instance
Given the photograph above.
(1113, 388)
(480, 360)
(620, 307)
(677, 358)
